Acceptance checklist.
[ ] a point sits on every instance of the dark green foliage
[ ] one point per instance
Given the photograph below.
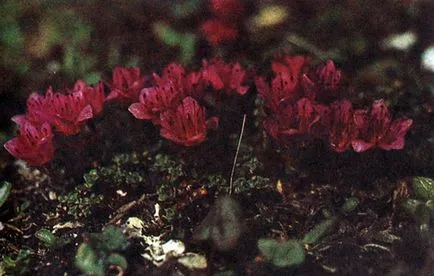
(421, 207)
(423, 187)
(282, 253)
(110, 239)
(349, 205)
(16, 264)
(170, 172)
(291, 252)
(79, 202)
(185, 41)
(87, 261)
(50, 240)
(164, 164)
(215, 180)
(246, 186)
(319, 231)
(93, 257)
(126, 169)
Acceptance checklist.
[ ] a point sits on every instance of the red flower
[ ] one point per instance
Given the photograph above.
(93, 96)
(187, 125)
(217, 31)
(67, 113)
(228, 77)
(292, 120)
(329, 76)
(324, 84)
(283, 90)
(376, 129)
(127, 84)
(37, 112)
(227, 9)
(341, 125)
(193, 84)
(294, 66)
(33, 144)
(155, 100)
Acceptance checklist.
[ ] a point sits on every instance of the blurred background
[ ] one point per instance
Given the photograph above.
(385, 48)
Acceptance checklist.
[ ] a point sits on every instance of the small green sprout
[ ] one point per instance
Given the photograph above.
(50, 240)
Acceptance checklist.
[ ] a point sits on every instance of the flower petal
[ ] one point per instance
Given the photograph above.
(139, 111)
(360, 145)
(85, 114)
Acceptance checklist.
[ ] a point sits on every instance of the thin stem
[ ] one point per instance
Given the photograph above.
(231, 180)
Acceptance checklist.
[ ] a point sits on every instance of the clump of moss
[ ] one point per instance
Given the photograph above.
(79, 202)
(126, 169)
(170, 172)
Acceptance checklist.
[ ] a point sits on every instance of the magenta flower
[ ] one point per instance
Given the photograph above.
(217, 31)
(376, 129)
(292, 120)
(155, 100)
(228, 77)
(37, 112)
(193, 84)
(66, 112)
(126, 84)
(294, 66)
(324, 84)
(187, 125)
(283, 90)
(33, 144)
(228, 10)
(92, 95)
(341, 125)
(329, 76)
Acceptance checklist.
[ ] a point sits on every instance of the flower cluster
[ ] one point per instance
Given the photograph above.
(224, 24)
(170, 101)
(302, 103)
(173, 101)
(65, 112)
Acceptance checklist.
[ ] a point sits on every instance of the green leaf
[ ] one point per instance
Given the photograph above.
(282, 254)
(5, 190)
(118, 260)
(112, 239)
(410, 205)
(423, 215)
(430, 205)
(50, 240)
(423, 187)
(167, 35)
(16, 265)
(319, 231)
(188, 48)
(86, 260)
(46, 237)
(349, 205)
(92, 78)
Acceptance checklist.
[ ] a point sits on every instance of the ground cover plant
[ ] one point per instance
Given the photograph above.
(217, 137)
